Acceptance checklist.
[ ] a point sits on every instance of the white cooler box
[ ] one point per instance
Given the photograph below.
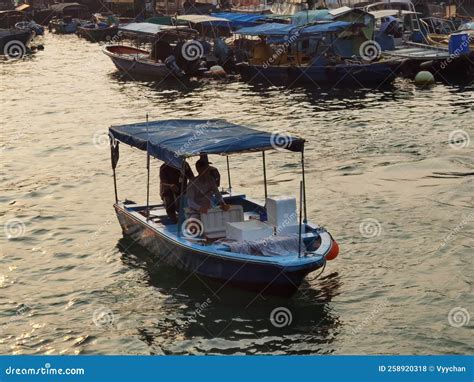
(282, 213)
(215, 220)
(250, 230)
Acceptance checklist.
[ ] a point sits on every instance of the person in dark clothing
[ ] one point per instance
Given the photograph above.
(171, 184)
(161, 50)
(214, 172)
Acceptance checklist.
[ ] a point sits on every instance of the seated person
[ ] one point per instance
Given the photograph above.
(171, 184)
(202, 190)
(261, 52)
(211, 169)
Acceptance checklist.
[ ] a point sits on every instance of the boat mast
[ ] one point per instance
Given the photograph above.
(299, 220)
(228, 175)
(181, 198)
(148, 172)
(264, 176)
(114, 153)
(304, 187)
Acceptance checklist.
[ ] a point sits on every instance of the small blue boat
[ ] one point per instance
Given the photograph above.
(274, 259)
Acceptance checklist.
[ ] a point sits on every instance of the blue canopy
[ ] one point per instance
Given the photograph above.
(173, 140)
(238, 20)
(269, 29)
(287, 29)
(335, 26)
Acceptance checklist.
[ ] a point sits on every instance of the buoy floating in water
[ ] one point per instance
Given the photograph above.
(424, 78)
(333, 252)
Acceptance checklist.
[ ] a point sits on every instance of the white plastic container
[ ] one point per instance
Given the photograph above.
(215, 220)
(282, 213)
(249, 230)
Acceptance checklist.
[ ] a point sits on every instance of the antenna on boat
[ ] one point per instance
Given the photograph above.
(148, 172)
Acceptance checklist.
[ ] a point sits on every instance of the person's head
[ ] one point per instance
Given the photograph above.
(202, 165)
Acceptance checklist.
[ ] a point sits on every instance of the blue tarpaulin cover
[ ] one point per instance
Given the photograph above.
(173, 140)
(238, 20)
(269, 29)
(272, 29)
(334, 26)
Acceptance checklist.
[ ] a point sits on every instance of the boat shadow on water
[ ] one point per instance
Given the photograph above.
(215, 319)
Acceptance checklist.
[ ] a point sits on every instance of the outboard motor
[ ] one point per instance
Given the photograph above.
(170, 63)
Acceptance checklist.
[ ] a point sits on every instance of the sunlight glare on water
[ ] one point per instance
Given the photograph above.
(383, 175)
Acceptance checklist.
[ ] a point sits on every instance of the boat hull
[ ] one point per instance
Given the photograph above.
(254, 276)
(97, 35)
(7, 36)
(370, 75)
(127, 59)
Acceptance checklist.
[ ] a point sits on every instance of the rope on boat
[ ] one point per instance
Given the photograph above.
(320, 273)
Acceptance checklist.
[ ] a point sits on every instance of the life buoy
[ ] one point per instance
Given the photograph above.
(333, 252)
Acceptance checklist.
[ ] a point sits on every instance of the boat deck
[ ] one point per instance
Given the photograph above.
(159, 220)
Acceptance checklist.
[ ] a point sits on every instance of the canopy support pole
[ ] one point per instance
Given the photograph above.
(304, 187)
(115, 186)
(228, 174)
(181, 198)
(265, 175)
(299, 221)
(148, 173)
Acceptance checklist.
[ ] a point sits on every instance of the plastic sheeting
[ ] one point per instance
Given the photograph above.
(273, 246)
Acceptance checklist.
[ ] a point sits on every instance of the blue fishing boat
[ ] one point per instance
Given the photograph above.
(267, 248)
(322, 53)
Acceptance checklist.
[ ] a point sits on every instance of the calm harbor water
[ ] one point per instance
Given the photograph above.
(389, 175)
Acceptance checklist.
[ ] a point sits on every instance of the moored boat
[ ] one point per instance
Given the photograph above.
(65, 25)
(324, 53)
(96, 32)
(261, 247)
(132, 61)
(14, 42)
(167, 57)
